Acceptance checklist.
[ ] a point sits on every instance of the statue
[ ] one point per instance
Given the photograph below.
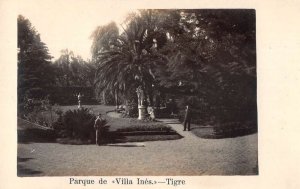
(141, 96)
(79, 99)
(142, 105)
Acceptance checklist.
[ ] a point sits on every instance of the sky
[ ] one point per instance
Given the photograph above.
(68, 25)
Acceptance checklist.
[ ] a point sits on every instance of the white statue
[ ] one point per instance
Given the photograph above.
(141, 104)
(79, 99)
(141, 95)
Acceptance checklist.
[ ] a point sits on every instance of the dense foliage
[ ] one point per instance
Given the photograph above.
(73, 71)
(129, 59)
(72, 75)
(77, 124)
(213, 62)
(35, 75)
(40, 79)
(206, 58)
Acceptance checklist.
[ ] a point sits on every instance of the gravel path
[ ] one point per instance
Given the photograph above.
(187, 156)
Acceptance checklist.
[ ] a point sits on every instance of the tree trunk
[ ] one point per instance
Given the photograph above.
(116, 98)
(103, 97)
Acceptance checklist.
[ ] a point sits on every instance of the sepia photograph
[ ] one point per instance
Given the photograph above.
(136, 92)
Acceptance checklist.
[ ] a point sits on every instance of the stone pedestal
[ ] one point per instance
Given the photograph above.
(79, 104)
(79, 100)
(142, 112)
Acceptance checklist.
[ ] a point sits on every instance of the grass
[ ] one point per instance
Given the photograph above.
(142, 138)
(124, 125)
(132, 124)
(94, 108)
(118, 123)
(149, 127)
(225, 130)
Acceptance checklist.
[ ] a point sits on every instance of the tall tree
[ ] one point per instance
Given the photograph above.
(206, 55)
(129, 61)
(104, 39)
(212, 58)
(34, 62)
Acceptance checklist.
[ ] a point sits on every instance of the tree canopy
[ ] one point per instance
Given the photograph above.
(131, 57)
(34, 68)
(202, 57)
(208, 56)
(73, 71)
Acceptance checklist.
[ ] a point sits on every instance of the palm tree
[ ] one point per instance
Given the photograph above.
(129, 61)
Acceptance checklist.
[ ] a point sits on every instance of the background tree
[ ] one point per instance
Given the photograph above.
(212, 61)
(72, 75)
(206, 57)
(104, 38)
(73, 71)
(34, 63)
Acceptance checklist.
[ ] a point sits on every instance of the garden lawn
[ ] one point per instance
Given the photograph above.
(94, 108)
(115, 123)
(128, 125)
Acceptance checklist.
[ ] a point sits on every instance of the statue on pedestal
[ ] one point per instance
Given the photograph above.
(79, 99)
(141, 103)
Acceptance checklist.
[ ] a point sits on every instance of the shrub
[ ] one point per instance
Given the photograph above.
(77, 124)
(43, 118)
(132, 107)
(38, 111)
(162, 113)
(30, 105)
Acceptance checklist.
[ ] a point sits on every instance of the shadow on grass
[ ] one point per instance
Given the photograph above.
(121, 138)
(36, 135)
(25, 172)
(256, 169)
(23, 159)
(110, 137)
(113, 137)
(117, 137)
